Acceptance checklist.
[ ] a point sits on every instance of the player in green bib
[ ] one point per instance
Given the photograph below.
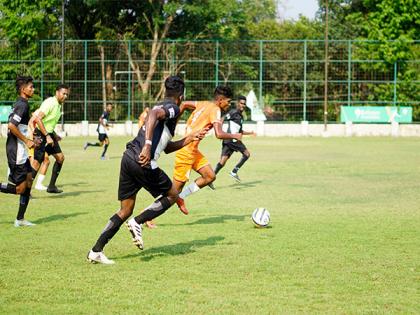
(49, 114)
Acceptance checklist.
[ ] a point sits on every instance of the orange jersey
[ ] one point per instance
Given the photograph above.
(205, 115)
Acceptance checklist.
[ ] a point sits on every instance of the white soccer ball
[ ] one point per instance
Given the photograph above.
(261, 217)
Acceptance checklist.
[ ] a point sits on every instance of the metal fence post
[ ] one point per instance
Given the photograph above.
(85, 83)
(349, 74)
(305, 50)
(395, 83)
(261, 74)
(129, 82)
(217, 64)
(42, 70)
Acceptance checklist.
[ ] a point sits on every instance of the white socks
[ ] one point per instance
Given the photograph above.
(40, 179)
(190, 189)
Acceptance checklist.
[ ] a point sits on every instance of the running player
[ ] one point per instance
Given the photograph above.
(48, 115)
(102, 134)
(18, 140)
(139, 169)
(205, 115)
(235, 120)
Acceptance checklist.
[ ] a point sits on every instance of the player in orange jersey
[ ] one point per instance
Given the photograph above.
(206, 114)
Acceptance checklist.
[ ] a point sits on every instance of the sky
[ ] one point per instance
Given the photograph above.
(290, 9)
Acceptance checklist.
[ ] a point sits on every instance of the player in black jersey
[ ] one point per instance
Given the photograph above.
(235, 120)
(139, 169)
(103, 125)
(18, 141)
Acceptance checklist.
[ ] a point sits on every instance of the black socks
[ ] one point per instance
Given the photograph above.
(23, 203)
(110, 230)
(158, 207)
(55, 172)
(8, 188)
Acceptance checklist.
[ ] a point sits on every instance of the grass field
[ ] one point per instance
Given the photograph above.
(344, 235)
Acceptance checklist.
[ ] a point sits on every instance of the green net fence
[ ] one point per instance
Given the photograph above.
(287, 76)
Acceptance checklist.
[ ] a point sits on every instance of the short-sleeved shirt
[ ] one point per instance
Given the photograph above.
(235, 120)
(205, 115)
(104, 117)
(52, 111)
(162, 134)
(16, 150)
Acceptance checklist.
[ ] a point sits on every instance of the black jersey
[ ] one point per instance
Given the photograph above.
(163, 133)
(104, 118)
(16, 151)
(235, 120)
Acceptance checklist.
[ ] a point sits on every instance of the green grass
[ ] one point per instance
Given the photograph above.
(344, 235)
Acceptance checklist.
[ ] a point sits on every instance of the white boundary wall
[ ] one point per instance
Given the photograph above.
(271, 130)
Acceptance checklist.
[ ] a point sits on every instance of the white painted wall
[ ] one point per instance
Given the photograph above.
(268, 129)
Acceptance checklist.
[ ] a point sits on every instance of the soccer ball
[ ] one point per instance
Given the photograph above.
(261, 217)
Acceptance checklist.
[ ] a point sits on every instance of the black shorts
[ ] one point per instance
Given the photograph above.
(133, 177)
(229, 147)
(39, 153)
(19, 173)
(102, 137)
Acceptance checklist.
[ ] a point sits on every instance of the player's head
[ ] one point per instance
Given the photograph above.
(241, 103)
(25, 86)
(62, 92)
(174, 88)
(109, 107)
(223, 95)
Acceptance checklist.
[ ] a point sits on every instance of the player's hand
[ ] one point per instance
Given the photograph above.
(200, 134)
(50, 140)
(37, 139)
(144, 157)
(29, 143)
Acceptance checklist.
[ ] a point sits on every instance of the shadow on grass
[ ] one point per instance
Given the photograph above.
(68, 194)
(56, 217)
(75, 184)
(174, 250)
(213, 220)
(240, 185)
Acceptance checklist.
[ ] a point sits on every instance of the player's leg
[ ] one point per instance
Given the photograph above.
(127, 192)
(93, 144)
(106, 144)
(126, 209)
(58, 164)
(202, 166)
(25, 193)
(226, 154)
(166, 194)
(42, 172)
(182, 170)
(244, 158)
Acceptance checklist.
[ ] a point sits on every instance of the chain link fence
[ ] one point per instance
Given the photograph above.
(287, 76)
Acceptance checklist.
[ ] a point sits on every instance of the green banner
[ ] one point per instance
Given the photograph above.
(4, 113)
(376, 114)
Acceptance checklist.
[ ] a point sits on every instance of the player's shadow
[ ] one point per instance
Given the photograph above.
(70, 193)
(214, 220)
(56, 217)
(243, 185)
(75, 184)
(175, 250)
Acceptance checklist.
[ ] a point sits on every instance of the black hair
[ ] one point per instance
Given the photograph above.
(241, 98)
(223, 90)
(21, 81)
(174, 86)
(62, 86)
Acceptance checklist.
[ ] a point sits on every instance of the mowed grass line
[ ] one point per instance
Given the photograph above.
(344, 235)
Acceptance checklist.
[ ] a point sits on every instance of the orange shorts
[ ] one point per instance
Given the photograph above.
(185, 161)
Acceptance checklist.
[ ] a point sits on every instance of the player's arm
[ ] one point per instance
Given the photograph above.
(190, 105)
(16, 132)
(37, 116)
(194, 136)
(155, 114)
(249, 133)
(220, 134)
